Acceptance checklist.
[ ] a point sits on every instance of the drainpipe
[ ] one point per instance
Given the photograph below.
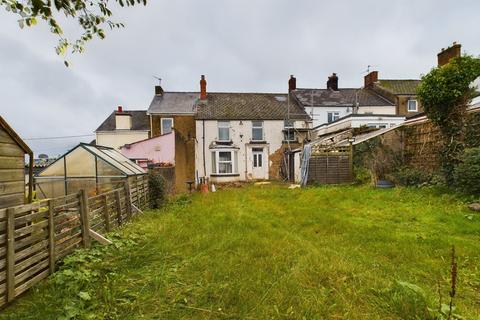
(203, 138)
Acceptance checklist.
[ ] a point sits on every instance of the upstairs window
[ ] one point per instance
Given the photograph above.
(224, 130)
(166, 125)
(412, 105)
(333, 116)
(289, 131)
(257, 130)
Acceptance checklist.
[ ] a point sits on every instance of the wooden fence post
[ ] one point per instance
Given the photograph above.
(128, 200)
(138, 192)
(106, 214)
(145, 191)
(119, 207)
(10, 254)
(51, 237)
(84, 218)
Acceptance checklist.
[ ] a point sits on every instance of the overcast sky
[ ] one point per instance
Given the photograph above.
(241, 45)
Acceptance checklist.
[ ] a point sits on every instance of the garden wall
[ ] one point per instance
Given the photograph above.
(423, 142)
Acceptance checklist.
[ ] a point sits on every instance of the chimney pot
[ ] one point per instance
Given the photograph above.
(292, 83)
(203, 88)
(120, 109)
(332, 82)
(449, 53)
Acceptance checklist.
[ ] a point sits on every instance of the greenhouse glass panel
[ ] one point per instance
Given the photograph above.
(100, 152)
(56, 169)
(104, 169)
(80, 163)
(131, 166)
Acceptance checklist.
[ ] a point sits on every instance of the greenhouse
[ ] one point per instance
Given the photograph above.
(94, 168)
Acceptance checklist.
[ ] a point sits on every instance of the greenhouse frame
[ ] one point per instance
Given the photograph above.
(93, 168)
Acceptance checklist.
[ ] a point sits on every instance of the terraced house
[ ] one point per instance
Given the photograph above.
(231, 136)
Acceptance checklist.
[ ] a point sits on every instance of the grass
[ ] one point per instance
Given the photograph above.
(268, 252)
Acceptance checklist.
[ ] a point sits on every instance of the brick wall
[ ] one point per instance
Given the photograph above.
(423, 142)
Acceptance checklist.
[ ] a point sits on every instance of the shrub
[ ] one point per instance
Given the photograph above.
(410, 177)
(156, 188)
(362, 175)
(467, 173)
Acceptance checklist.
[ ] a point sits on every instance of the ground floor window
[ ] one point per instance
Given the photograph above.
(224, 162)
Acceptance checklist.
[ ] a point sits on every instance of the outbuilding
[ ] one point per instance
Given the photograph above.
(93, 168)
(12, 163)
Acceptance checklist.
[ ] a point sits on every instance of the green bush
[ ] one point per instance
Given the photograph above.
(362, 175)
(410, 177)
(156, 188)
(467, 173)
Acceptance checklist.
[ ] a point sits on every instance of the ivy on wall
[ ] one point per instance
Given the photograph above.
(445, 93)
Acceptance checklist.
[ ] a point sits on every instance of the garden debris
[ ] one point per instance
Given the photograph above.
(474, 206)
(261, 183)
(294, 186)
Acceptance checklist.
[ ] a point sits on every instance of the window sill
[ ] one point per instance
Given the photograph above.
(224, 175)
(224, 143)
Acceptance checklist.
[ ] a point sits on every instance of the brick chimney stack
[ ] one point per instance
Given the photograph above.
(158, 90)
(370, 79)
(446, 55)
(332, 82)
(203, 88)
(292, 83)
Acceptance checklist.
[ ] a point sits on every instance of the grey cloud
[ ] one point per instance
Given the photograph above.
(240, 45)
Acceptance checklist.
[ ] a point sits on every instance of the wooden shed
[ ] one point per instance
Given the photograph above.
(12, 168)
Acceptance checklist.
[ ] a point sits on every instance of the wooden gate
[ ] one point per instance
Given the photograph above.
(330, 166)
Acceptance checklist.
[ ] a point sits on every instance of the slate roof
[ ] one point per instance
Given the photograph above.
(340, 98)
(407, 87)
(249, 106)
(174, 103)
(140, 121)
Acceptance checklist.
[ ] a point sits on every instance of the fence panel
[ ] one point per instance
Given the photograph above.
(35, 236)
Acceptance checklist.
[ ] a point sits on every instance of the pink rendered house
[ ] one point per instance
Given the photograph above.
(159, 150)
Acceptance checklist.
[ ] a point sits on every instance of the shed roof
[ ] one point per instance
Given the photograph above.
(339, 98)
(15, 136)
(140, 121)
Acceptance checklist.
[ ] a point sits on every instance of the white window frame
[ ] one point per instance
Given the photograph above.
(289, 127)
(335, 116)
(223, 125)
(408, 105)
(258, 127)
(161, 125)
(216, 162)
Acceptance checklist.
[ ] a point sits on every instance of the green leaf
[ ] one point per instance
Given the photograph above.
(84, 295)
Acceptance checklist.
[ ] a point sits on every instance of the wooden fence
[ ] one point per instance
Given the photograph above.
(330, 167)
(35, 236)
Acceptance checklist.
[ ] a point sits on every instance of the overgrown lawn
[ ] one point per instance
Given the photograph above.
(268, 252)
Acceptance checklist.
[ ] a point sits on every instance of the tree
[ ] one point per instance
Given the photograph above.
(445, 93)
(92, 15)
